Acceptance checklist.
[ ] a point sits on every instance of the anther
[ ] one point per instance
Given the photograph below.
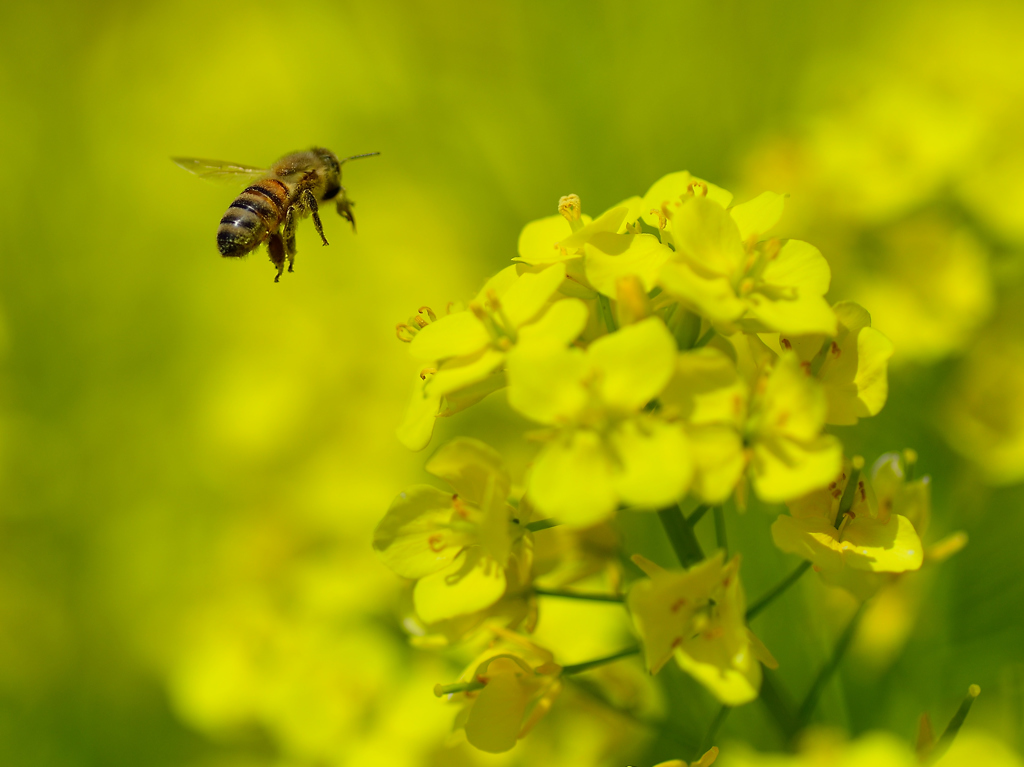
(697, 188)
(429, 312)
(427, 372)
(404, 333)
(572, 210)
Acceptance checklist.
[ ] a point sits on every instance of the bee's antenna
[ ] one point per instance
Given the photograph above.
(358, 157)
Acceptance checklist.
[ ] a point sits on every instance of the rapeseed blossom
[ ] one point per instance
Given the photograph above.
(669, 353)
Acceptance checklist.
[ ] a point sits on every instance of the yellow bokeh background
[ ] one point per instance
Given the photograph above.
(194, 458)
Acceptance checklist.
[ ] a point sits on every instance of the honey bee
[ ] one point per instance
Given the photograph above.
(269, 209)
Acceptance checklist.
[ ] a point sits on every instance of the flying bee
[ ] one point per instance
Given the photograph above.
(269, 209)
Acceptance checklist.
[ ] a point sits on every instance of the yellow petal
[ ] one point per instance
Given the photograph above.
(610, 257)
(571, 481)
(471, 582)
(418, 423)
(497, 713)
(562, 323)
(526, 297)
(545, 381)
(455, 335)
(458, 374)
(791, 316)
(758, 216)
(634, 364)
(468, 465)
(414, 538)
(707, 238)
(783, 469)
(799, 265)
(609, 221)
(671, 189)
(655, 464)
(538, 242)
(731, 685)
(707, 388)
(712, 296)
(719, 461)
(893, 547)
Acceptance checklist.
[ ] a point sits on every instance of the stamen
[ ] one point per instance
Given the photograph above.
(572, 210)
(697, 189)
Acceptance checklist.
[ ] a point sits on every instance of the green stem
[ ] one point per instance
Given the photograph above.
(541, 524)
(780, 589)
(778, 704)
(709, 736)
(578, 668)
(579, 595)
(814, 694)
(699, 512)
(944, 742)
(720, 536)
(604, 307)
(681, 536)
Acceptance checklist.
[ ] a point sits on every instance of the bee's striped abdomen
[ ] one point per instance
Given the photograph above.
(258, 210)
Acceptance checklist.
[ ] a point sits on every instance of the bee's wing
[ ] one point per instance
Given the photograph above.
(216, 170)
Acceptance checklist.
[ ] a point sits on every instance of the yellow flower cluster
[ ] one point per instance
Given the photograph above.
(673, 355)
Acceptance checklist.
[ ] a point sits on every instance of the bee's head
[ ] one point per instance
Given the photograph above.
(332, 172)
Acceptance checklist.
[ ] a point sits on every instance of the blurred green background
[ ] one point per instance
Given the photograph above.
(193, 458)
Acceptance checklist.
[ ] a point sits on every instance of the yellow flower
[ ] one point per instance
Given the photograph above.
(983, 417)
(698, 617)
(871, 538)
(604, 450)
(510, 688)
(457, 545)
(852, 368)
(721, 270)
(769, 417)
(466, 349)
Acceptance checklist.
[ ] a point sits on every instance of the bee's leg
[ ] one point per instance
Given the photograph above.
(275, 246)
(309, 203)
(291, 223)
(345, 208)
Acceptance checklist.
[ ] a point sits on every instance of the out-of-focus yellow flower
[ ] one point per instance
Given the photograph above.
(929, 286)
(605, 449)
(457, 546)
(983, 418)
(698, 617)
(505, 692)
(871, 538)
(467, 348)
